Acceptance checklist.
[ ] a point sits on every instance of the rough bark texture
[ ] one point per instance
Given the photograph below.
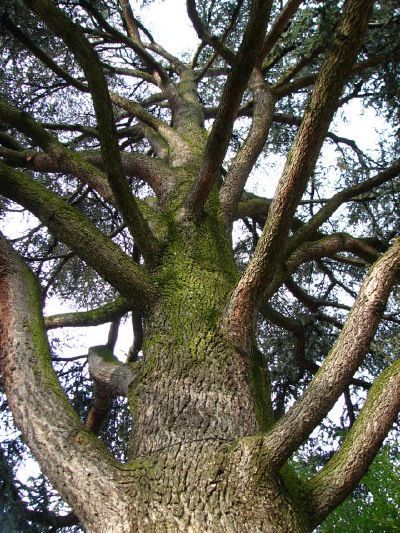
(193, 397)
(207, 453)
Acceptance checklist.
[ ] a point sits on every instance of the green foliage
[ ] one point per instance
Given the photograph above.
(374, 507)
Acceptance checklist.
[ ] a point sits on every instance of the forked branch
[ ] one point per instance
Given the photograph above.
(299, 166)
(246, 157)
(342, 362)
(237, 81)
(342, 473)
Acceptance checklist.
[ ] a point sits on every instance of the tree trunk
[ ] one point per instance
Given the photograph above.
(194, 395)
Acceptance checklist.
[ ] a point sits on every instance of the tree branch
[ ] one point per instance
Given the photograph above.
(9, 497)
(299, 166)
(306, 81)
(330, 245)
(107, 371)
(111, 378)
(342, 473)
(156, 173)
(246, 157)
(205, 36)
(180, 152)
(72, 227)
(159, 73)
(94, 317)
(236, 83)
(343, 360)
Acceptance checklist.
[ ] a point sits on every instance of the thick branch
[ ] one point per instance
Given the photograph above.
(342, 473)
(247, 155)
(72, 227)
(235, 86)
(129, 21)
(343, 360)
(94, 317)
(330, 245)
(299, 166)
(74, 38)
(180, 152)
(50, 427)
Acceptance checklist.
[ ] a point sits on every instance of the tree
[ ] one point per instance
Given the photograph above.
(135, 163)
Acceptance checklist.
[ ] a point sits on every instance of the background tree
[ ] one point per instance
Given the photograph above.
(136, 165)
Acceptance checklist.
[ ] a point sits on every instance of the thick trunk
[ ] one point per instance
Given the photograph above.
(193, 385)
(210, 485)
(194, 396)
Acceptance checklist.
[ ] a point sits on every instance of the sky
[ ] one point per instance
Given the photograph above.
(168, 22)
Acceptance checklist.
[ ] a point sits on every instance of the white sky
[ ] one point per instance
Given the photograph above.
(169, 24)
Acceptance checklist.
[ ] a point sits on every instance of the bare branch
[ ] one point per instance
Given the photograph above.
(157, 174)
(111, 378)
(329, 246)
(180, 152)
(106, 370)
(247, 155)
(136, 45)
(65, 159)
(159, 73)
(129, 20)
